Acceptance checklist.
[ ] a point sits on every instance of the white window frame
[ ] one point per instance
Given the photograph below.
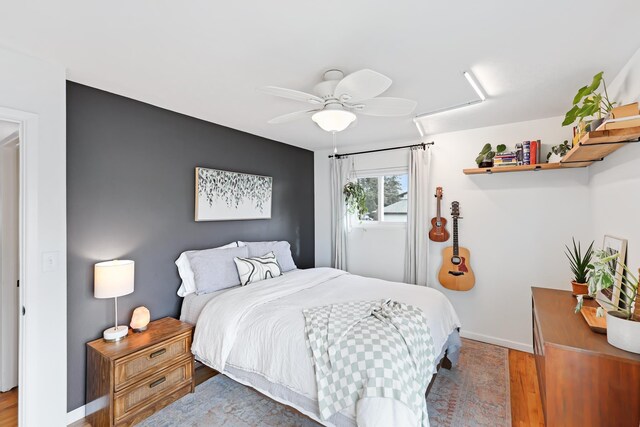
(378, 173)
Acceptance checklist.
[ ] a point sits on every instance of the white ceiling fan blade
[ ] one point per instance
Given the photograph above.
(285, 118)
(296, 95)
(363, 84)
(386, 107)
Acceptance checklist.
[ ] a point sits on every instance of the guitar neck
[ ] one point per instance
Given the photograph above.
(438, 213)
(455, 236)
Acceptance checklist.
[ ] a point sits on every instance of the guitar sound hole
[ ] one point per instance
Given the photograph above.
(455, 260)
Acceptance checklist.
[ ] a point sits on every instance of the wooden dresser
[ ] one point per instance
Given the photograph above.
(131, 379)
(583, 380)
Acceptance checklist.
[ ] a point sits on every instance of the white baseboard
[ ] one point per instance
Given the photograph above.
(75, 415)
(497, 341)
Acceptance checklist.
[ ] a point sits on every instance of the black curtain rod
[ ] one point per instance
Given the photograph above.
(423, 145)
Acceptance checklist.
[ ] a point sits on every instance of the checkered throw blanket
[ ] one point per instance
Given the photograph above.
(370, 349)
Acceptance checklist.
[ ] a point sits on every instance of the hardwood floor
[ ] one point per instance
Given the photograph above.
(526, 408)
(9, 408)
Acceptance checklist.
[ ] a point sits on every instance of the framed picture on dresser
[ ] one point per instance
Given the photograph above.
(610, 297)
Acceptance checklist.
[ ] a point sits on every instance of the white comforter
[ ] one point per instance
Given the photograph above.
(260, 328)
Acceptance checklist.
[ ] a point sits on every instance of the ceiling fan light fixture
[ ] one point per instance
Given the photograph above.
(333, 120)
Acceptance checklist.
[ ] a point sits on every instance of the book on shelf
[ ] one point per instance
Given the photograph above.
(533, 157)
(526, 150)
(519, 154)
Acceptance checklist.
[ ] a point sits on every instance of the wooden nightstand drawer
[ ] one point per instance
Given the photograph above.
(131, 379)
(129, 369)
(152, 389)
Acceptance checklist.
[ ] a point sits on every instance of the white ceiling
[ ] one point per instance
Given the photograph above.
(206, 58)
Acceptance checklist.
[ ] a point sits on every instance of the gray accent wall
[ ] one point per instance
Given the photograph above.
(130, 195)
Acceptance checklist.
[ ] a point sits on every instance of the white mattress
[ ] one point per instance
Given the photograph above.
(193, 304)
(255, 334)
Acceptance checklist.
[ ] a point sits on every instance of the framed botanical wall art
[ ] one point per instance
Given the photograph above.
(226, 196)
(609, 298)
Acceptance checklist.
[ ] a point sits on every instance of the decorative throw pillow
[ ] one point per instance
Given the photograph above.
(282, 250)
(214, 269)
(255, 269)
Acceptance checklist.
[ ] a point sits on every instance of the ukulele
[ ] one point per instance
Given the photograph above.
(456, 273)
(438, 232)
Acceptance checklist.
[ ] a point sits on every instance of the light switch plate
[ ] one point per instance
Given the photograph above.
(50, 261)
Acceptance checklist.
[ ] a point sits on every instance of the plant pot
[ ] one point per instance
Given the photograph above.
(580, 289)
(623, 333)
(555, 158)
(595, 124)
(486, 164)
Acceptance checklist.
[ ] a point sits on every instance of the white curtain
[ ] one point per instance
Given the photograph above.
(340, 174)
(417, 250)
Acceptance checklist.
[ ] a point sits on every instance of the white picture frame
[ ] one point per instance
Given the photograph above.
(228, 196)
(610, 298)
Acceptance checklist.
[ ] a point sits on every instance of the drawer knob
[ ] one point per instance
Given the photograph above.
(158, 353)
(157, 382)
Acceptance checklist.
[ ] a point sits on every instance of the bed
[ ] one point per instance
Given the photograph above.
(255, 335)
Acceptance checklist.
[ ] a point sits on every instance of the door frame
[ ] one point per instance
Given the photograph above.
(28, 250)
(12, 139)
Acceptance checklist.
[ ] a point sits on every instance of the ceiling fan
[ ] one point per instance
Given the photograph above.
(337, 99)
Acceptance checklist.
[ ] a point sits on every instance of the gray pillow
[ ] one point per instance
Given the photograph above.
(214, 269)
(282, 251)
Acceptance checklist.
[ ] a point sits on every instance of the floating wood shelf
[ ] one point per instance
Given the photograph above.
(596, 145)
(522, 168)
(593, 147)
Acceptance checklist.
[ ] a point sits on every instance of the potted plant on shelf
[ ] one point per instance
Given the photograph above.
(594, 104)
(558, 152)
(486, 155)
(623, 323)
(579, 264)
(354, 198)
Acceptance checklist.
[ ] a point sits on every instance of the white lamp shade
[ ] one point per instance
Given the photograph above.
(333, 120)
(113, 278)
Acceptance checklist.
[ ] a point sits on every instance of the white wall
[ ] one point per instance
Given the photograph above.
(614, 183)
(31, 85)
(515, 225)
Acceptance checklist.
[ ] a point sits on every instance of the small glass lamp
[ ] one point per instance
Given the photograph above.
(113, 279)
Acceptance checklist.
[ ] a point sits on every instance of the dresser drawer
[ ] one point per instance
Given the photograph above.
(152, 389)
(130, 369)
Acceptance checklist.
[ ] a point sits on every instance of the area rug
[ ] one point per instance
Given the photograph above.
(474, 393)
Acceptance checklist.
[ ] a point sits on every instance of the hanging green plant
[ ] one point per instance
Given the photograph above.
(354, 197)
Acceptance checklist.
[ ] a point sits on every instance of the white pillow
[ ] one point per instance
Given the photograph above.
(188, 285)
(255, 269)
(282, 250)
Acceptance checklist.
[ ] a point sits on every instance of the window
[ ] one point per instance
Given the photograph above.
(388, 191)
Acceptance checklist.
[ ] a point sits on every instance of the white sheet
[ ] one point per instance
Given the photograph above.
(260, 328)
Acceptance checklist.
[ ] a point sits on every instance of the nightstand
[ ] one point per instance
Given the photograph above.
(129, 380)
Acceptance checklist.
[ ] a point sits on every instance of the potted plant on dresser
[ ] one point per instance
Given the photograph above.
(579, 264)
(623, 320)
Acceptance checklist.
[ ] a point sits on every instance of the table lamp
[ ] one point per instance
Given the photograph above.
(113, 279)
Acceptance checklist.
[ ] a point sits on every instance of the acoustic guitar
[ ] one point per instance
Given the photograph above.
(456, 273)
(438, 232)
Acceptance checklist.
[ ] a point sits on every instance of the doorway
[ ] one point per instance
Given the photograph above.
(9, 271)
